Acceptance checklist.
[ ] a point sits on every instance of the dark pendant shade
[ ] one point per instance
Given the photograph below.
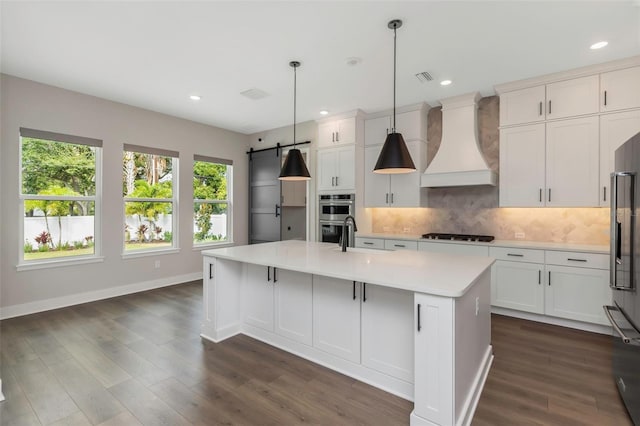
(294, 167)
(394, 157)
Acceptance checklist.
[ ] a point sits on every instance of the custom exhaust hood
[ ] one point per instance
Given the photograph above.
(459, 161)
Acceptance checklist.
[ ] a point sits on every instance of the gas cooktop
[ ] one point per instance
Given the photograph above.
(458, 237)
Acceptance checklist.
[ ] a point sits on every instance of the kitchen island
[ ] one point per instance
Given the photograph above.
(414, 324)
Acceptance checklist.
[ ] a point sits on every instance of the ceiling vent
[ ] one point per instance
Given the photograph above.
(424, 77)
(254, 94)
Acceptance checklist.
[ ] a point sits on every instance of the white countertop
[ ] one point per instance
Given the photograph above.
(432, 273)
(585, 248)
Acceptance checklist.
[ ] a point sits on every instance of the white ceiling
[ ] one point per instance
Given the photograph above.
(155, 54)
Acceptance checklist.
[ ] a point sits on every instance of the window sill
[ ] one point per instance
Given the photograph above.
(58, 263)
(146, 253)
(209, 246)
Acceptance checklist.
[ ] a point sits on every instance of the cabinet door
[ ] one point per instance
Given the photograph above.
(573, 163)
(620, 89)
(346, 168)
(346, 131)
(326, 169)
(522, 166)
(573, 97)
(258, 296)
(376, 185)
(615, 129)
(518, 285)
(522, 106)
(336, 317)
(577, 293)
(410, 125)
(433, 362)
(376, 130)
(326, 133)
(405, 187)
(293, 306)
(387, 331)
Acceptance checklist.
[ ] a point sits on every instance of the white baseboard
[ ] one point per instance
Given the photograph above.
(578, 325)
(91, 296)
(1, 394)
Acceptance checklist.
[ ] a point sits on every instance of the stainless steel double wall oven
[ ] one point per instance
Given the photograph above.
(333, 209)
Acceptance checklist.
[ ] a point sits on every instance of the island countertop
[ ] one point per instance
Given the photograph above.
(430, 273)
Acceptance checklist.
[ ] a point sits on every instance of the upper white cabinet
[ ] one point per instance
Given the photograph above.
(615, 129)
(620, 89)
(522, 106)
(337, 132)
(412, 125)
(336, 168)
(570, 98)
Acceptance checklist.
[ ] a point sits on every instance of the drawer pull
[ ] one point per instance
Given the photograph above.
(419, 322)
(369, 243)
(515, 255)
(399, 245)
(576, 260)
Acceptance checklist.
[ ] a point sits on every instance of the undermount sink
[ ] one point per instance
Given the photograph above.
(360, 250)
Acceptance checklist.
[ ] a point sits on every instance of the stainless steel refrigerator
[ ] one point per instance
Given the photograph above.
(624, 314)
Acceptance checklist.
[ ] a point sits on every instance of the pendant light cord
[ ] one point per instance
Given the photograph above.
(294, 105)
(394, 78)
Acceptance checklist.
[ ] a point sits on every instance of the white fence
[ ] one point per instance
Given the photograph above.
(77, 228)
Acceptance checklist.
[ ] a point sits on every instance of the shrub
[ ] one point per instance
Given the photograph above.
(168, 236)
(28, 248)
(89, 240)
(43, 248)
(78, 244)
(43, 238)
(66, 246)
(141, 231)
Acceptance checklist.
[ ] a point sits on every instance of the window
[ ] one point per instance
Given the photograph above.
(149, 179)
(60, 196)
(212, 202)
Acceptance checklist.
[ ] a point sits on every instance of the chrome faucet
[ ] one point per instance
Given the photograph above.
(345, 234)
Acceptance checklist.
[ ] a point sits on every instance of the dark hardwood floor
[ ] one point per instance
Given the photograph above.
(138, 359)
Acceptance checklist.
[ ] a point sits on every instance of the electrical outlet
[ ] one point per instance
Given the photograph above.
(519, 235)
(477, 305)
(156, 264)
(406, 230)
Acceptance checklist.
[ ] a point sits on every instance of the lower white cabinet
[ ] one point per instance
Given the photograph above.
(453, 248)
(577, 293)
(258, 297)
(293, 305)
(336, 317)
(518, 285)
(387, 331)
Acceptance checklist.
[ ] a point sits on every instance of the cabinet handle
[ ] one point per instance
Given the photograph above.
(387, 199)
(210, 271)
(540, 113)
(576, 260)
(387, 130)
(275, 278)
(354, 290)
(539, 277)
(392, 198)
(364, 292)
(419, 324)
(515, 254)
(549, 194)
(333, 136)
(268, 273)
(399, 245)
(337, 136)
(369, 243)
(604, 193)
(549, 278)
(337, 180)
(549, 107)
(605, 98)
(540, 195)
(277, 212)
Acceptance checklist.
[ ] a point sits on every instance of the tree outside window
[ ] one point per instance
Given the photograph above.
(148, 176)
(211, 204)
(59, 192)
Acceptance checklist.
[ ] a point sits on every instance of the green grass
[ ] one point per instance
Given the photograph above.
(37, 255)
(146, 246)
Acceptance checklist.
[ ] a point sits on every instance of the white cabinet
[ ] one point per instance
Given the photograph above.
(518, 285)
(615, 129)
(577, 293)
(372, 243)
(411, 124)
(400, 190)
(554, 164)
(336, 317)
(400, 245)
(522, 106)
(376, 130)
(336, 168)
(258, 296)
(573, 163)
(570, 98)
(387, 331)
(293, 305)
(620, 89)
(337, 132)
(453, 248)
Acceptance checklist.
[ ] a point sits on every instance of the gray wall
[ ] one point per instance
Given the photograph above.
(28, 104)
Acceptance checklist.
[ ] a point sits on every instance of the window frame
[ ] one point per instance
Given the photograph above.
(96, 199)
(228, 202)
(175, 173)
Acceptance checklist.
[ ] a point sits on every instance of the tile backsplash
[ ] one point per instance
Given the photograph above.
(474, 209)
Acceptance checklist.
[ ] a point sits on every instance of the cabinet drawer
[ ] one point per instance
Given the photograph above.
(517, 254)
(580, 260)
(400, 245)
(454, 248)
(374, 243)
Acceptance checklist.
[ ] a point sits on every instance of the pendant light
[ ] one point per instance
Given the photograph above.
(294, 167)
(394, 157)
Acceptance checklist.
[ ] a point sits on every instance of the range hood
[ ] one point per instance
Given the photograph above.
(459, 161)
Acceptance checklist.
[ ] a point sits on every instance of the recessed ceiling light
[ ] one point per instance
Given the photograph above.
(599, 45)
(194, 97)
(324, 112)
(445, 82)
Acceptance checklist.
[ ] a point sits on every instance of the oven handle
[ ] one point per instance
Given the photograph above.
(625, 339)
